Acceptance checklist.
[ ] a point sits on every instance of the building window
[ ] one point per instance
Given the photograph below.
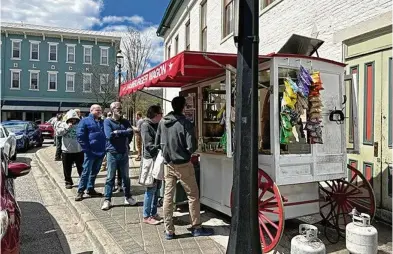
(204, 26)
(15, 79)
(34, 79)
(87, 82)
(104, 83)
(104, 55)
(228, 23)
(177, 44)
(52, 80)
(368, 118)
(266, 3)
(169, 52)
(87, 54)
(70, 81)
(34, 50)
(187, 35)
(53, 52)
(16, 49)
(70, 53)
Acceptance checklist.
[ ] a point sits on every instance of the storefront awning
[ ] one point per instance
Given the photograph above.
(185, 68)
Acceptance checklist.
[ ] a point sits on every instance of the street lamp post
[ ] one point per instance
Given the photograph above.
(244, 235)
(120, 61)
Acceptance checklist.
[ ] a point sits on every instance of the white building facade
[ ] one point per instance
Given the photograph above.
(202, 25)
(356, 32)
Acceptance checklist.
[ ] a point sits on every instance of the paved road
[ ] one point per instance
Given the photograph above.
(48, 226)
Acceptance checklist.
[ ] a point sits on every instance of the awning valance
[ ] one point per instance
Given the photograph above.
(185, 68)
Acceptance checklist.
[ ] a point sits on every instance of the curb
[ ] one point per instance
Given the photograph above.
(96, 233)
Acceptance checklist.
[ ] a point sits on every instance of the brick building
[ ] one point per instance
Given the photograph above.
(45, 70)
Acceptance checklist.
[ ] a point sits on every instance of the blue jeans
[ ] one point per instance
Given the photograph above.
(151, 200)
(91, 167)
(117, 161)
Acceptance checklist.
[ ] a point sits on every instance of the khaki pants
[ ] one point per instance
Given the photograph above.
(186, 174)
(138, 140)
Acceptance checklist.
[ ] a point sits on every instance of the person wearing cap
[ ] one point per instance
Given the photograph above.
(71, 150)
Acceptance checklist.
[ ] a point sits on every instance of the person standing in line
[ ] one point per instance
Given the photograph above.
(59, 120)
(71, 150)
(176, 138)
(118, 133)
(78, 112)
(103, 165)
(118, 185)
(137, 131)
(150, 151)
(91, 137)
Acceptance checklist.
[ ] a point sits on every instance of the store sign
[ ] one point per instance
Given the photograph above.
(168, 68)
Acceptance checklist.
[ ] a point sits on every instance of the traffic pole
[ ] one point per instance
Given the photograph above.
(244, 235)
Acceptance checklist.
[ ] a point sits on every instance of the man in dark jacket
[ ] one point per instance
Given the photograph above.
(91, 137)
(118, 133)
(176, 137)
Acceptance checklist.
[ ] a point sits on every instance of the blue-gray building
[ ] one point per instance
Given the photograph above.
(45, 70)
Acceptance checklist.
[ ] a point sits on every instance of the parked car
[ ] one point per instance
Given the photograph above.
(27, 134)
(8, 143)
(10, 213)
(47, 130)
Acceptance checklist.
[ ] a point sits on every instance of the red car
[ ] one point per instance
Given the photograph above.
(10, 214)
(47, 130)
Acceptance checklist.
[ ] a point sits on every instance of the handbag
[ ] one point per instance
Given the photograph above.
(158, 168)
(145, 178)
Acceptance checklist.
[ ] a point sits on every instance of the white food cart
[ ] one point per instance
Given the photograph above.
(296, 178)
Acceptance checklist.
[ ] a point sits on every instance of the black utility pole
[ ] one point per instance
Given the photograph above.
(244, 236)
(118, 91)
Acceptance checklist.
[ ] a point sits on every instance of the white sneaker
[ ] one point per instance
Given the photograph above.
(106, 205)
(130, 201)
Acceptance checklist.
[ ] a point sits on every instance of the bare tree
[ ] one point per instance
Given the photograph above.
(137, 50)
(99, 84)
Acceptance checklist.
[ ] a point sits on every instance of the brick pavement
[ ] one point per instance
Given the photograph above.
(123, 224)
(120, 230)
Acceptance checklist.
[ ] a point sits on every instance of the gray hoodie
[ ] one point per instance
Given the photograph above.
(69, 141)
(176, 137)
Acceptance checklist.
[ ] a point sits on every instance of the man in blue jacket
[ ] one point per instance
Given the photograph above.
(91, 137)
(118, 132)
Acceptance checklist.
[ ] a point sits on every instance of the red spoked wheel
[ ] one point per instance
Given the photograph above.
(270, 212)
(338, 198)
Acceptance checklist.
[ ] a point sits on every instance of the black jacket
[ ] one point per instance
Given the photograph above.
(176, 137)
(148, 132)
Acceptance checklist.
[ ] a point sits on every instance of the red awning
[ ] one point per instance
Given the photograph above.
(189, 67)
(185, 68)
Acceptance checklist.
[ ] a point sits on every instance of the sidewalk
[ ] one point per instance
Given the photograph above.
(120, 230)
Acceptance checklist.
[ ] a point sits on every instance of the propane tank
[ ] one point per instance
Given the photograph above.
(307, 242)
(361, 237)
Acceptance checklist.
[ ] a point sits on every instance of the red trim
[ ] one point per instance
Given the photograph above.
(368, 173)
(189, 67)
(369, 99)
(354, 164)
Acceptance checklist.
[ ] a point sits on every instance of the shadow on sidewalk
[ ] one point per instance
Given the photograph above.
(40, 232)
